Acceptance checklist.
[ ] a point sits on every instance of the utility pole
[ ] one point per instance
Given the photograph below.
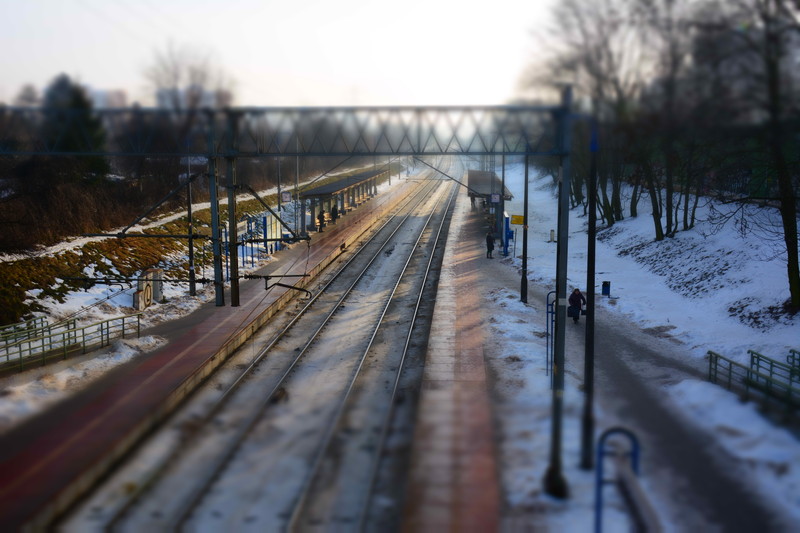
(192, 278)
(297, 183)
(523, 289)
(219, 289)
(587, 423)
(233, 237)
(503, 237)
(554, 482)
(278, 159)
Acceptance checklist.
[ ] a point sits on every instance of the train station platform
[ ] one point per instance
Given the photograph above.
(454, 483)
(342, 195)
(48, 463)
(484, 184)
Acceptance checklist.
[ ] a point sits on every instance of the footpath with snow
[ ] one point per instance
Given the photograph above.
(709, 289)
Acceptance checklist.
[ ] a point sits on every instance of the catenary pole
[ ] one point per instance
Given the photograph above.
(554, 482)
(523, 289)
(503, 236)
(233, 238)
(219, 288)
(192, 277)
(587, 423)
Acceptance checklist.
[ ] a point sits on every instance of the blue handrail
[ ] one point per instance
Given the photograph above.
(550, 324)
(600, 480)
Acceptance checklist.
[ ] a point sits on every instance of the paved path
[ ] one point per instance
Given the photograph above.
(453, 484)
(699, 485)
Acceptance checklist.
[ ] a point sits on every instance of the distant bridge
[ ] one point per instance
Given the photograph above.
(279, 131)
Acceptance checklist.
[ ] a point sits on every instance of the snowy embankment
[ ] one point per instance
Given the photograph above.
(709, 288)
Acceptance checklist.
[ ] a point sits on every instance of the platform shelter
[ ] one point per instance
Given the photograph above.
(483, 184)
(485, 191)
(345, 193)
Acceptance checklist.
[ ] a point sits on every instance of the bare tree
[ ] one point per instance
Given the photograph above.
(28, 96)
(186, 80)
(597, 47)
(766, 34)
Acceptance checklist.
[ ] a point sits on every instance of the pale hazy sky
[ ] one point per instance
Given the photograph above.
(288, 52)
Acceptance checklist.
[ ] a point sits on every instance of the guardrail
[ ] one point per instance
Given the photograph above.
(550, 326)
(774, 369)
(643, 514)
(63, 343)
(751, 383)
(10, 329)
(40, 328)
(793, 359)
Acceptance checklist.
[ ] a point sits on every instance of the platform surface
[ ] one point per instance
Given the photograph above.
(453, 484)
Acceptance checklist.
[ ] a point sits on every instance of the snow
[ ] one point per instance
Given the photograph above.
(710, 290)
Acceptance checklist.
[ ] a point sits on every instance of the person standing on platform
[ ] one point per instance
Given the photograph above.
(489, 244)
(334, 213)
(321, 219)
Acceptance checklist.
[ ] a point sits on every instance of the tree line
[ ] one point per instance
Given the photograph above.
(44, 199)
(692, 99)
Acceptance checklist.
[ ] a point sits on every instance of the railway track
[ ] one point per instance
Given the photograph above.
(292, 434)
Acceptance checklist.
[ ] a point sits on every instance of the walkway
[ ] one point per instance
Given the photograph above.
(453, 484)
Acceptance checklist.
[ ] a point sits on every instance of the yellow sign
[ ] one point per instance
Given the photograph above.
(517, 219)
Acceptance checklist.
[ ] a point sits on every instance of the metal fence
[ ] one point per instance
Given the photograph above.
(27, 324)
(21, 330)
(59, 342)
(761, 382)
(777, 370)
(793, 359)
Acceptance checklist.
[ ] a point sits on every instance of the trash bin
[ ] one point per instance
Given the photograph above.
(606, 291)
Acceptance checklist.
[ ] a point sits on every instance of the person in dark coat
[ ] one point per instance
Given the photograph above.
(334, 213)
(489, 245)
(576, 302)
(321, 219)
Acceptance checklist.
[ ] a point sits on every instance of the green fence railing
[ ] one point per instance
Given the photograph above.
(21, 330)
(793, 359)
(754, 383)
(775, 369)
(62, 343)
(23, 326)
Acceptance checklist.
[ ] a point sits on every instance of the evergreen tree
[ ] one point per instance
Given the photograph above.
(70, 127)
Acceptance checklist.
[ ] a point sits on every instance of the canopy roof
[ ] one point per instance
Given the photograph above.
(484, 183)
(342, 184)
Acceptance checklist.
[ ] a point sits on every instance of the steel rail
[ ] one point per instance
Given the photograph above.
(222, 401)
(384, 434)
(335, 421)
(213, 472)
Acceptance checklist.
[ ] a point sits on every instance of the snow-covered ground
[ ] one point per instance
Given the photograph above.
(691, 284)
(711, 290)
